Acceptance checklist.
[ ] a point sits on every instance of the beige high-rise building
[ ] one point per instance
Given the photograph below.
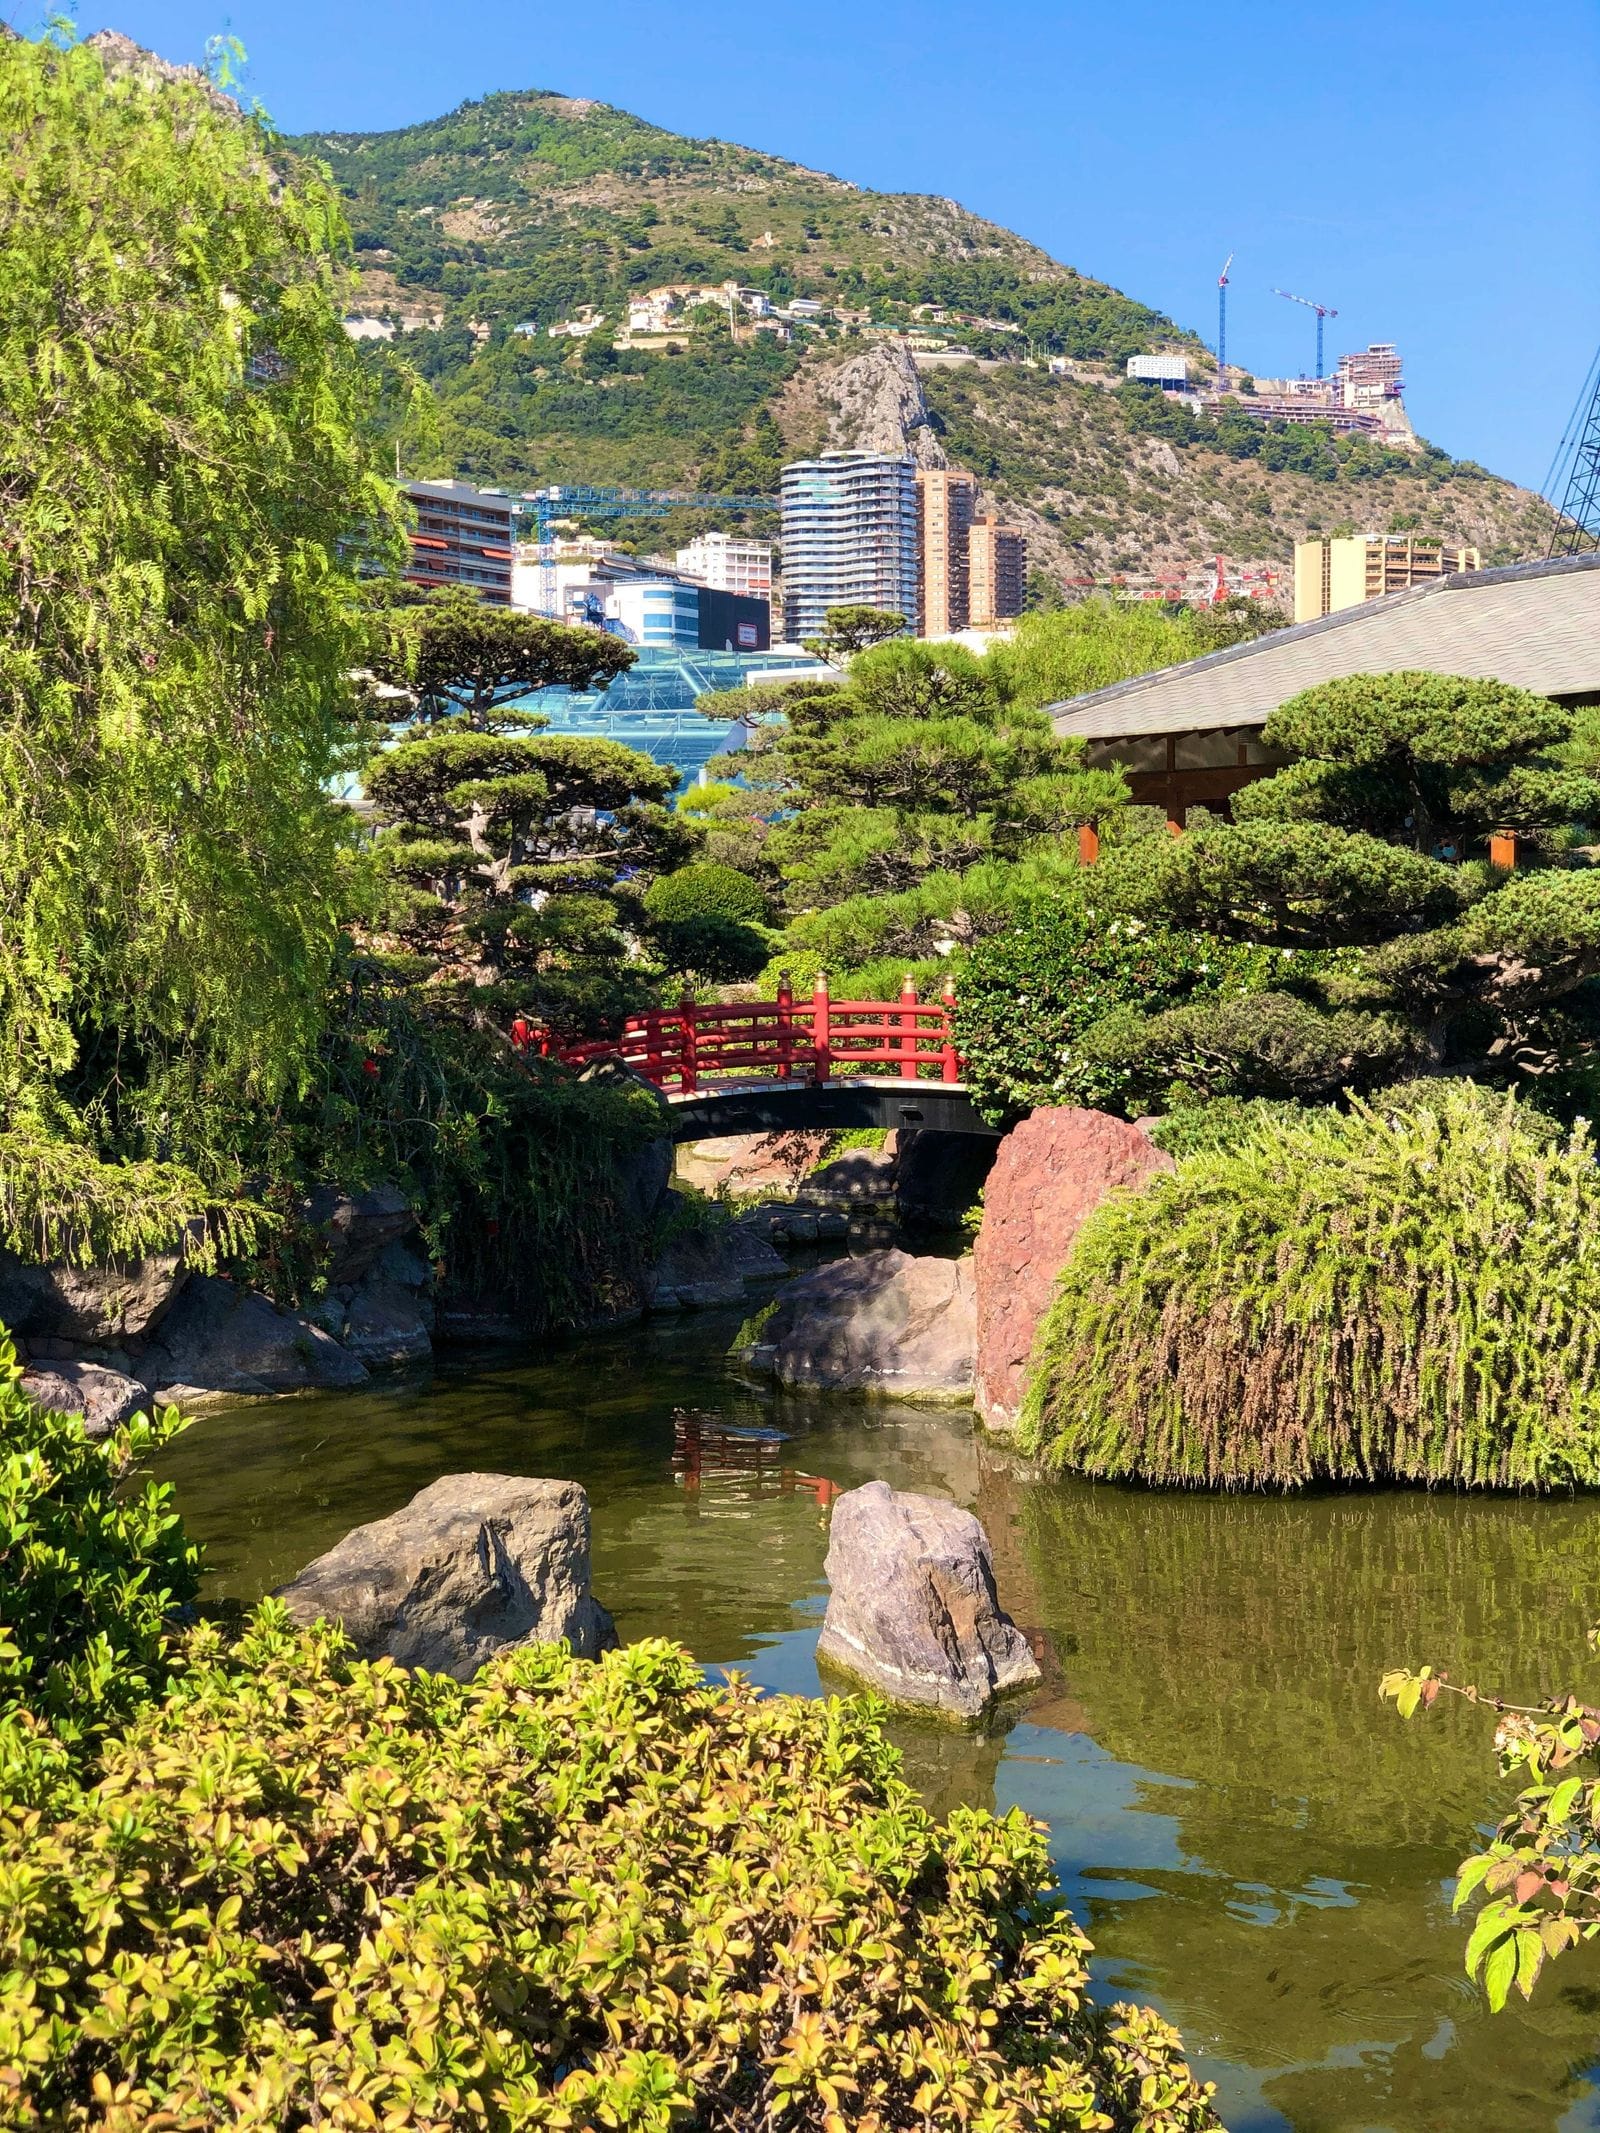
(946, 501)
(1334, 574)
(997, 572)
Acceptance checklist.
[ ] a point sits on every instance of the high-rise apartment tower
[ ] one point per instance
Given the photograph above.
(998, 570)
(946, 502)
(849, 537)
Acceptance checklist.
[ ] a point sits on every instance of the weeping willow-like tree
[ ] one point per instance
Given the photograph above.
(1407, 1291)
(184, 502)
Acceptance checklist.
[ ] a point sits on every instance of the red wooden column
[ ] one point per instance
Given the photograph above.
(687, 1080)
(654, 1065)
(785, 1028)
(1503, 849)
(1088, 844)
(821, 1030)
(949, 1061)
(908, 1028)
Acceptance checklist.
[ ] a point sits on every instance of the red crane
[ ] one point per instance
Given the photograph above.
(1322, 310)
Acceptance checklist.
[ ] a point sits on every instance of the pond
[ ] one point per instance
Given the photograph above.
(1256, 1845)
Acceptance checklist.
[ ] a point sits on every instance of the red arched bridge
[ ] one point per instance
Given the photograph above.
(763, 1066)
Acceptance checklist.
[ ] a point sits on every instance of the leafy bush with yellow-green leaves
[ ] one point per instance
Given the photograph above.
(313, 1890)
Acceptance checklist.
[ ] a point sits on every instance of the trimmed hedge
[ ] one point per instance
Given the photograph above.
(1406, 1291)
(309, 1890)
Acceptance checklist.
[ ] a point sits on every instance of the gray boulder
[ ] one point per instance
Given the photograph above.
(386, 1319)
(884, 1323)
(92, 1304)
(474, 1563)
(912, 1609)
(219, 1338)
(104, 1398)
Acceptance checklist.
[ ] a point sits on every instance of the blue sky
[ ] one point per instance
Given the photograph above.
(1426, 168)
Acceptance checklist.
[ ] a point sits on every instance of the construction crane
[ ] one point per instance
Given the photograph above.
(542, 507)
(1322, 310)
(1222, 325)
(1577, 526)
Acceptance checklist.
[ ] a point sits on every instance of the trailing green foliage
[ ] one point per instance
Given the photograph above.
(90, 1572)
(562, 1895)
(1407, 1291)
(517, 1170)
(59, 1202)
(181, 473)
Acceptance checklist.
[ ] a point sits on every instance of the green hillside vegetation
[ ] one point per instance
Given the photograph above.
(522, 208)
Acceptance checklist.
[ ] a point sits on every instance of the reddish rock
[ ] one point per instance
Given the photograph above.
(1051, 1174)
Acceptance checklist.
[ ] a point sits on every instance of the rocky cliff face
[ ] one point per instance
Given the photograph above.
(875, 404)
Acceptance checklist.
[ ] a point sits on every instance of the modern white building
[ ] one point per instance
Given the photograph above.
(729, 562)
(849, 537)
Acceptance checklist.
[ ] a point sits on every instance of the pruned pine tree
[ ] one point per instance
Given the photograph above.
(511, 861)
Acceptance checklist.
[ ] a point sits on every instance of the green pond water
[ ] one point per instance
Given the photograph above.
(1256, 1845)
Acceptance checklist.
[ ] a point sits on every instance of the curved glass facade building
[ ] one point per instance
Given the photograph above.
(849, 538)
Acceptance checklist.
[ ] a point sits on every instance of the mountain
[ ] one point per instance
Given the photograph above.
(479, 231)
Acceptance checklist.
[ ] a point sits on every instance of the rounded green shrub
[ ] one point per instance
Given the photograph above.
(706, 889)
(1026, 999)
(1409, 1290)
(309, 1890)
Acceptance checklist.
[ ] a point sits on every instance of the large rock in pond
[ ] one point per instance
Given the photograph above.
(104, 1398)
(885, 1323)
(474, 1562)
(94, 1305)
(220, 1339)
(1052, 1172)
(912, 1609)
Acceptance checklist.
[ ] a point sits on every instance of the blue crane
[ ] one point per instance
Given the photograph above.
(1322, 310)
(574, 500)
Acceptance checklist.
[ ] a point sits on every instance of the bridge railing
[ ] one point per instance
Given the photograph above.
(803, 1040)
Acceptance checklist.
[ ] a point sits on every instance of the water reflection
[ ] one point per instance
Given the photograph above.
(1253, 1841)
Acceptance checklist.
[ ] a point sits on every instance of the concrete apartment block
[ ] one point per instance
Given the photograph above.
(998, 571)
(947, 501)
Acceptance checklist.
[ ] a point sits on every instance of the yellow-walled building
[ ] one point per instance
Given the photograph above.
(1334, 574)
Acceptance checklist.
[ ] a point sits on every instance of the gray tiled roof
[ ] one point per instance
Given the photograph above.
(1536, 625)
